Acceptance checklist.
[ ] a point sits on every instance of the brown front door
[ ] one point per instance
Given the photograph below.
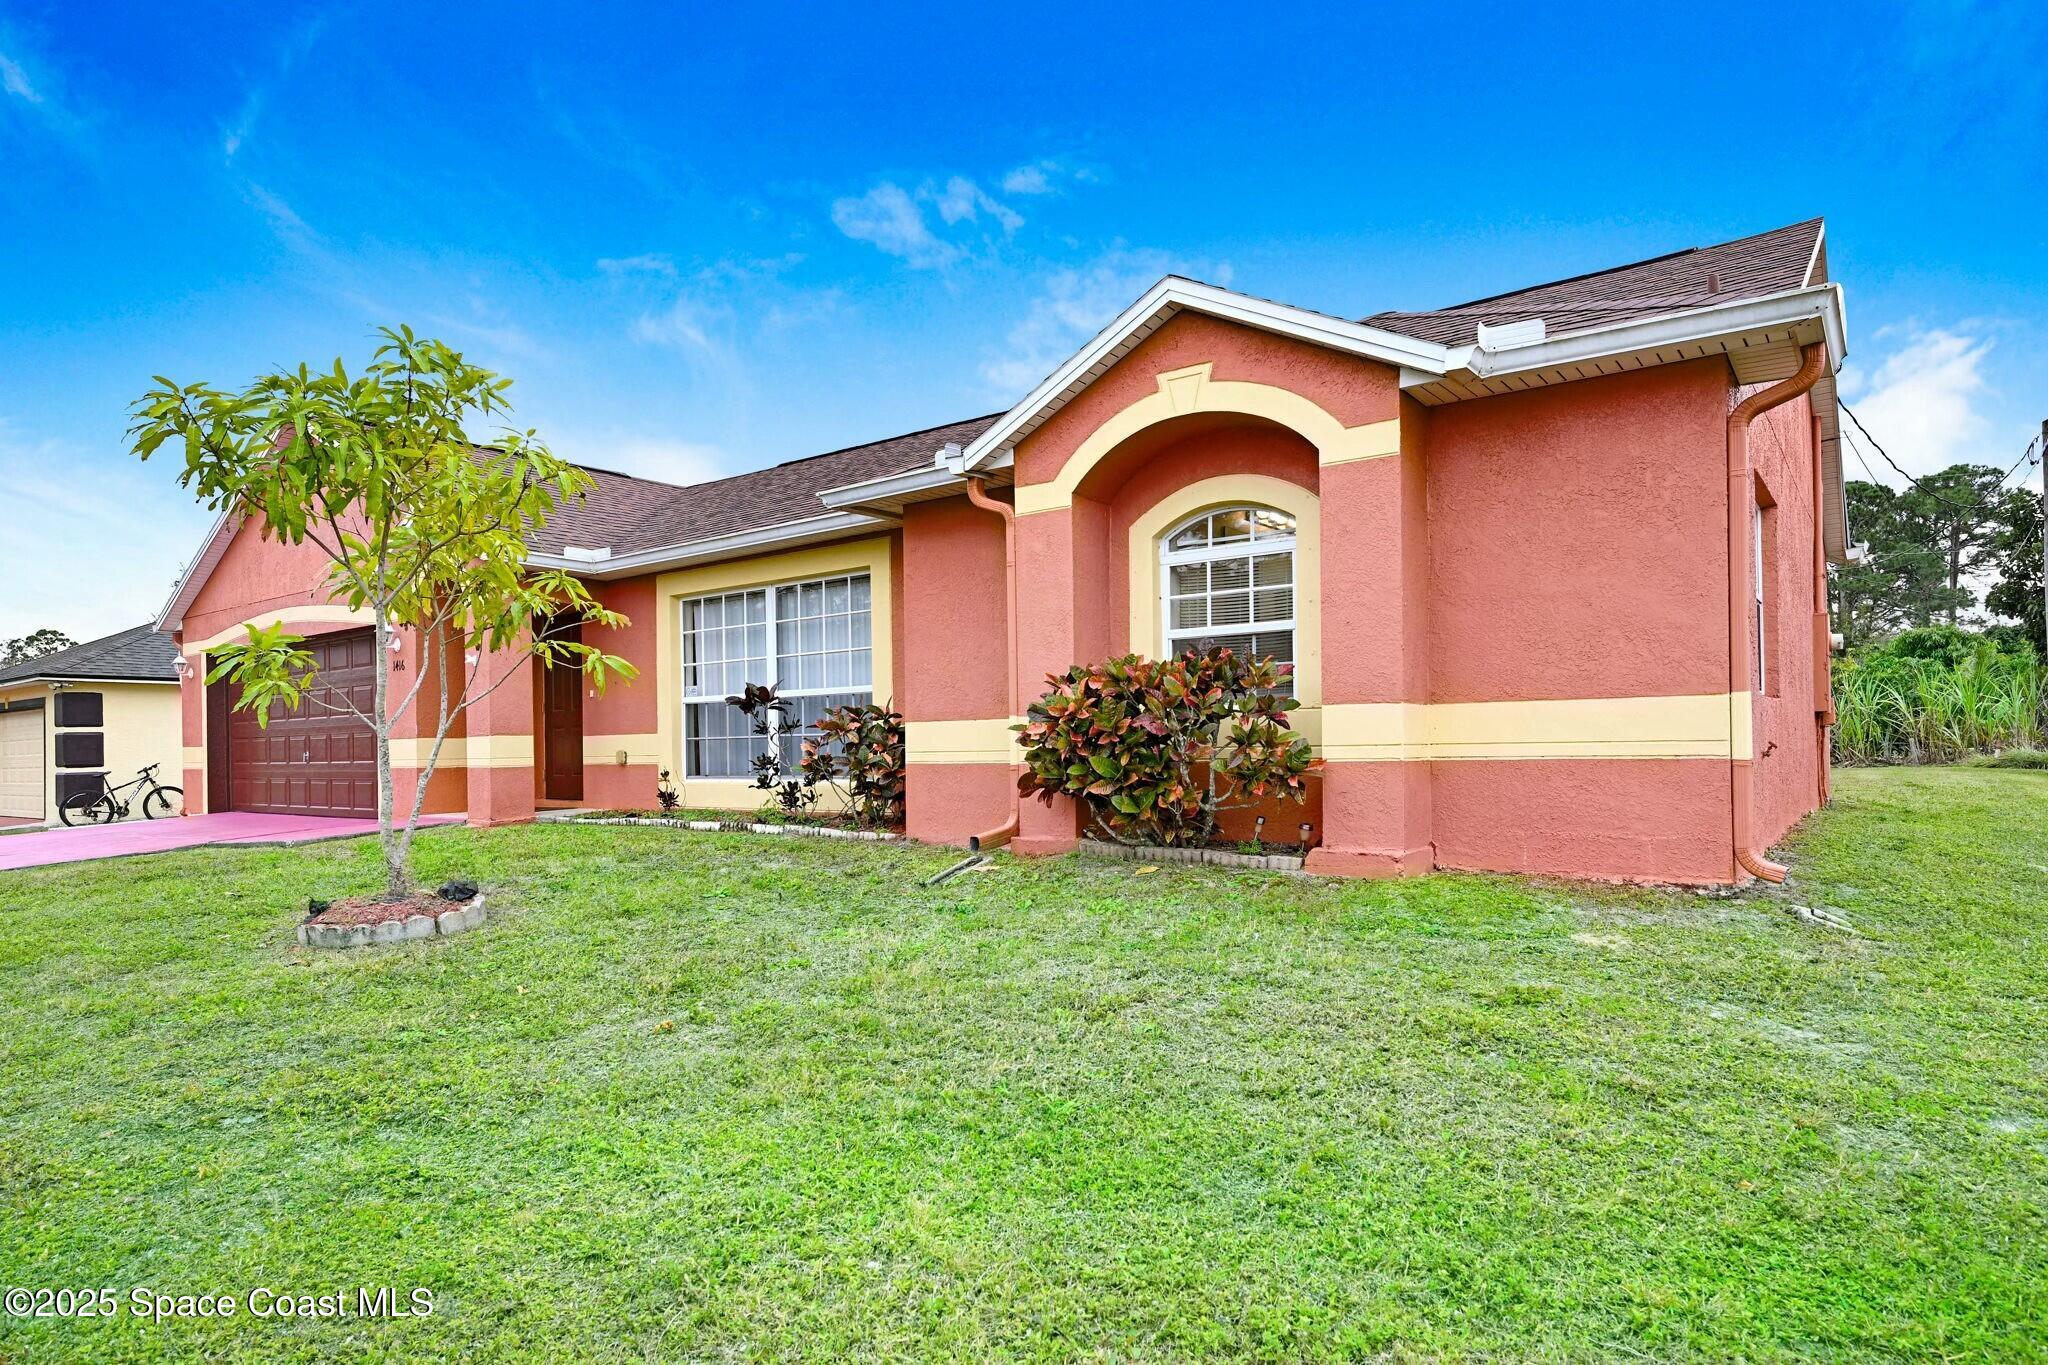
(561, 726)
(319, 759)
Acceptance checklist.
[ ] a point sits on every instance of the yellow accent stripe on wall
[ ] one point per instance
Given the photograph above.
(961, 741)
(1716, 725)
(603, 750)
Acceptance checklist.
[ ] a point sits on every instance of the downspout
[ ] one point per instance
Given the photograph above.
(977, 493)
(1741, 598)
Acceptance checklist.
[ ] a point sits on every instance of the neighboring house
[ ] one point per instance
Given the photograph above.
(1554, 603)
(68, 719)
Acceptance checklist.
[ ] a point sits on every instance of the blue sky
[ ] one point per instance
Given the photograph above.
(704, 239)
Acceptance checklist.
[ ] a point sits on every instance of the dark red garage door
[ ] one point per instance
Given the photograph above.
(319, 759)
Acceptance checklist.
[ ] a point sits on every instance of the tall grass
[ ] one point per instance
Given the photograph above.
(1931, 697)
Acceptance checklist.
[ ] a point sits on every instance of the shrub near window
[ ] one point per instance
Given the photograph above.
(1158, 751)
(859, 750)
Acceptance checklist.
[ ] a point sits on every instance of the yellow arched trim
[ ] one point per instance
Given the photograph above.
(310, 615)
(1192, 390)
(1148, 625)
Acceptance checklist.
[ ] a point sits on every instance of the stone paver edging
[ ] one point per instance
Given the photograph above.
(456, 919)
(740, 827)
(1265, 862)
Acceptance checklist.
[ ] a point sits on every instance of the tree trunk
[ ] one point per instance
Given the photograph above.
(397, 877)
(1955, 567)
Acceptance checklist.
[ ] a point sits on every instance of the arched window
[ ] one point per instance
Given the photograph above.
(1227, 578)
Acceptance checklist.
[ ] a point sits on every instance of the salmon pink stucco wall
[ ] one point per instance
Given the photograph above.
(953, 662)
(955, 636)
(1578, 542)
(1623, 819)
(628, 713)
(1790, 742)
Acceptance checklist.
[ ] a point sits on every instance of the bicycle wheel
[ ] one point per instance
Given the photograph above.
(164, 801)
(86, 808)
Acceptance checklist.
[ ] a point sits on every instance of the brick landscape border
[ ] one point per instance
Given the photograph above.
(1264, 862)
(740, 827)
(456, 919)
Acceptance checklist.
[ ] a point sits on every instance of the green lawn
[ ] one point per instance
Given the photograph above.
(715, 1095)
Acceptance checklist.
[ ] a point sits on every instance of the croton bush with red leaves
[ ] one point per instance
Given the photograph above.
(860, 751)
(1157, 751)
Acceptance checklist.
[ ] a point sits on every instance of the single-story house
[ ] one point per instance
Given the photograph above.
(69, 719)
(1549, 567)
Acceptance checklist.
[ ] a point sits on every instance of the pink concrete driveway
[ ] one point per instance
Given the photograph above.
(160, 836)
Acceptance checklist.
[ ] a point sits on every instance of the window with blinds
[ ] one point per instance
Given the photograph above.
(813, 640)
(1227, 579)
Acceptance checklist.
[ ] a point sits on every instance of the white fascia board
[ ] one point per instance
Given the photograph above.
(1818, 302)
(194, 578)
(69, 681)
(1173, 294)
(889, 486)
(731, 546)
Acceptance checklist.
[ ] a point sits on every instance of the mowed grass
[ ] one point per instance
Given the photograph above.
(717, 1096)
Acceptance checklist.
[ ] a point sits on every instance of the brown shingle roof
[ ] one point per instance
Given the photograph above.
(135, 655)
(1767, 263)
(628, 514)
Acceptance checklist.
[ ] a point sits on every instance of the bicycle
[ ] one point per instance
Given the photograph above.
(106, 805)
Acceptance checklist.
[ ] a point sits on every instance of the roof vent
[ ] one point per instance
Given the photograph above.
(1713, 281)
(586, 556)
(949, 455)
(1501, 336)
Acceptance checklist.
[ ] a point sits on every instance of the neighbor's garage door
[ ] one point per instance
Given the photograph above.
(319, 759)
(21, 764)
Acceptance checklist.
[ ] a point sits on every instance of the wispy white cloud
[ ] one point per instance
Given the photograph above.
(15, 81)
(235, 133)
(1072, 306)
(284, 220)
(1033, 179)
(1048, 176)
(646, 263)
(889, 219)
(34, 93)
(1924, 400)
(962, 201)
(140, 525)
(683, 324)
(667, 459)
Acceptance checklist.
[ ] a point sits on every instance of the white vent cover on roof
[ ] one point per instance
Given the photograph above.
(581, 555)
(1500, 336)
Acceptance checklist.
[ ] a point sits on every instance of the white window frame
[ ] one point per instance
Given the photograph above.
(1257, 545)
(1756, 523)
(773, 594)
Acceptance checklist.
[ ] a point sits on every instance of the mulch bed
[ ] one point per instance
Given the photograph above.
(377, 909)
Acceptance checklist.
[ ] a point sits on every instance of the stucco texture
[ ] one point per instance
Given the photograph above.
(140, 725)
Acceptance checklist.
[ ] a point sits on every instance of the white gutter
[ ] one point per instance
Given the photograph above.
(1822, 303)
(728, 546)
(889, 486)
